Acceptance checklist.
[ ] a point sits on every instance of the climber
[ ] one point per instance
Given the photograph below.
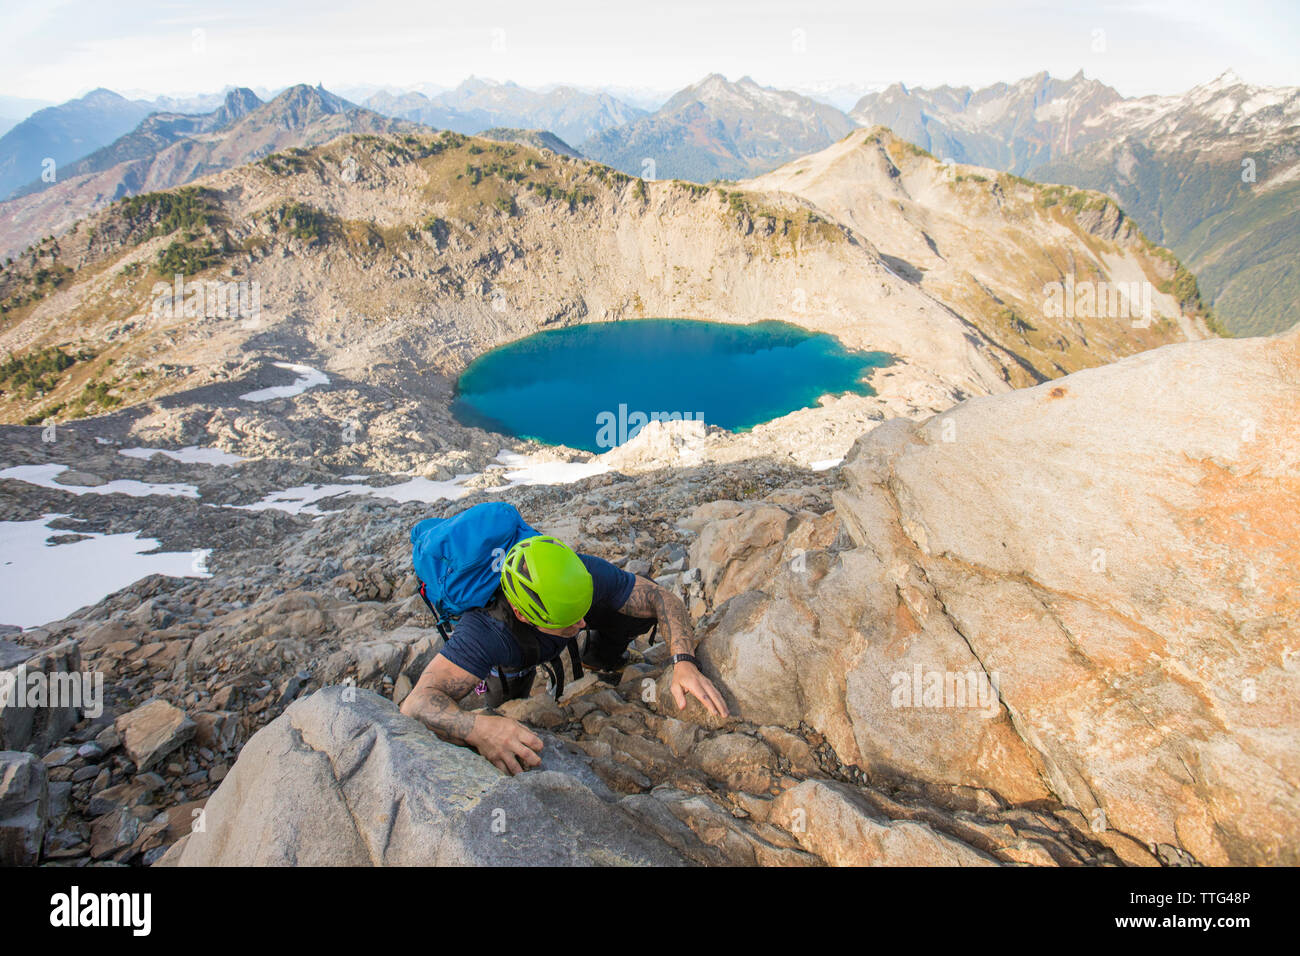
(548, 595)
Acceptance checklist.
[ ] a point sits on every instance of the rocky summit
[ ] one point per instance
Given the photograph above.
(1052, 626)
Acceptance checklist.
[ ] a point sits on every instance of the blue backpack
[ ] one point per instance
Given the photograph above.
(458, 564)
(458, 559)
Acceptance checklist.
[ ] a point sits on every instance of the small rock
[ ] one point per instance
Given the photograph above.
(60, 844)
(154, 855)
(793, 748)
(680, 737)
(620, 777)
(738, 760)
(585, 684)
(657, 654)
(126, 794)
(216, 729)
(59, 756)
(540, 711)
(91, 751)
(112, 832)
(60, 799)
(152, 731)
(79, 479)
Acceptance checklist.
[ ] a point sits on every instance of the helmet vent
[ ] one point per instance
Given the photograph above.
(534, 595)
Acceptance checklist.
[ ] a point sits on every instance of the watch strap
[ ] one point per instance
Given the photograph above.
(688, 658)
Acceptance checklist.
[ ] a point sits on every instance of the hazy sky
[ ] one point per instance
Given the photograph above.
(58, 49)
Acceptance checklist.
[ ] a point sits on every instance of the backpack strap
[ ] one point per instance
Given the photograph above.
(575, 659)
(555, 667)
(437, 618)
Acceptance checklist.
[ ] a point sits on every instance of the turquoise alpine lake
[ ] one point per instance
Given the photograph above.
(594, 386)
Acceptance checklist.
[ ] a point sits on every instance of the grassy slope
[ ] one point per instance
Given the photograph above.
(1240, 239)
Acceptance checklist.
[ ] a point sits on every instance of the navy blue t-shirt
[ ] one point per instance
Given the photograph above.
(480, 642)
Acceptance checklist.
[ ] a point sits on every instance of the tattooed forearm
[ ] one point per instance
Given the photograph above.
(436, 708)
(650, 600)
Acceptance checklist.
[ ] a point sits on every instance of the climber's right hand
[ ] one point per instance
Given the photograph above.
(507, 744)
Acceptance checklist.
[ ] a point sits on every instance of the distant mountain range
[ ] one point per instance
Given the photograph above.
(1213, 173)
(173, 149)
(157, 132)
(715, 129)
(64, 133)
(1009, 126)
(14, 109)
(477, 105)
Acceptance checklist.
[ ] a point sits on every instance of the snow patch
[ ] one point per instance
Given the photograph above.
(308, 377)
(826, 464)
(421, 489)
(304, 498)
(43, 476)
(522, 470)
(40, 582)
(190, 455)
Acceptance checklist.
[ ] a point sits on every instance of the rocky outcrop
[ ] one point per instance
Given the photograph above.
(24, 807)
(302, 603)
(833, 821)
(344, 779)
(1082, 592)
(41, 696)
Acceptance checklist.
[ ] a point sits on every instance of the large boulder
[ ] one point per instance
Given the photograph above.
(342, 778)
(1084, 591)
(42, 695)
(24, 808)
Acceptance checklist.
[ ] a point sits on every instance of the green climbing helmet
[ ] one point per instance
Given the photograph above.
(547, 582)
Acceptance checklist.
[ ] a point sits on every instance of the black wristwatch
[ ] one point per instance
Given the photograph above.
(688, 658)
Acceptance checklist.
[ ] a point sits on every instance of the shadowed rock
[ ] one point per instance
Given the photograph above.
(337, 781)
(24, 806)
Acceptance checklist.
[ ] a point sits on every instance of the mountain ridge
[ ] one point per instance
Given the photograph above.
(1209, 172)
(716, 129)
(299, 115)
(64, 133)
